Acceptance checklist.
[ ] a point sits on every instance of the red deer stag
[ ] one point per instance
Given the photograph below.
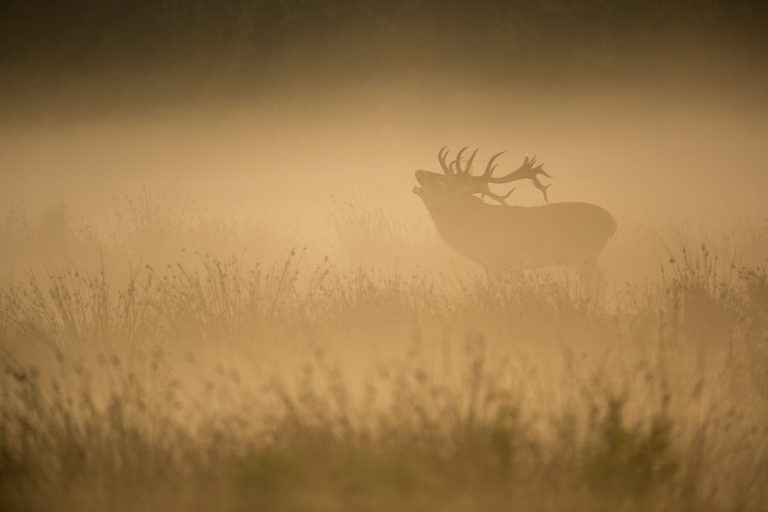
(500, 236)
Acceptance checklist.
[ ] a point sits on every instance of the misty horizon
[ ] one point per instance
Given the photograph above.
(364, 255)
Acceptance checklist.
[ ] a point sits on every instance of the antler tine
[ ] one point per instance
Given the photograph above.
(457, 162)
(468, 168)
(526, 171)
(441, 158)
(539, 185)
(501, 199)
(490, 167)
(540, 170)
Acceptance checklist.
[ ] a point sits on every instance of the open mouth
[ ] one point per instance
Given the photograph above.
(418, 189)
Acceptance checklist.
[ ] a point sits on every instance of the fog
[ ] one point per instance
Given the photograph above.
(686, 155)
(218, 289)
(644, 153)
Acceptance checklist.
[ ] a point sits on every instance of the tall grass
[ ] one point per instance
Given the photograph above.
(214, 383)
(145, 229)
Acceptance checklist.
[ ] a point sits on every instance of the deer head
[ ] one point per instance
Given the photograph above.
(459, 181)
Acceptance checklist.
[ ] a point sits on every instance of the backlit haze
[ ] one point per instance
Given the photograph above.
(219, 292)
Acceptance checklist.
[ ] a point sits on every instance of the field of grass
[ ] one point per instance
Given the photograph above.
(175, 361)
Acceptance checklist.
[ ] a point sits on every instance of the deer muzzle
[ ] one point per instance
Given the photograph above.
(420, 177)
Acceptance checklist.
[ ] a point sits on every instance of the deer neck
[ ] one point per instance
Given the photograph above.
(457, 216)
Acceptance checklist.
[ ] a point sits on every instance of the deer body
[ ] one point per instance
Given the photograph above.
(501, 236)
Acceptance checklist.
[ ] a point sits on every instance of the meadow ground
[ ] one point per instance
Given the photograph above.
(154, 364)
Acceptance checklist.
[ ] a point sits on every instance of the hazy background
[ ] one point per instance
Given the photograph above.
(218, 291)
(279, 110)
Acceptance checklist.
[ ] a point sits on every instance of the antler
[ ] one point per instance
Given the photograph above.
(491, 166)
(457, 162)
(441, 158)
(526, 171)
(496, 197)
(468, 168)
(454, 167)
